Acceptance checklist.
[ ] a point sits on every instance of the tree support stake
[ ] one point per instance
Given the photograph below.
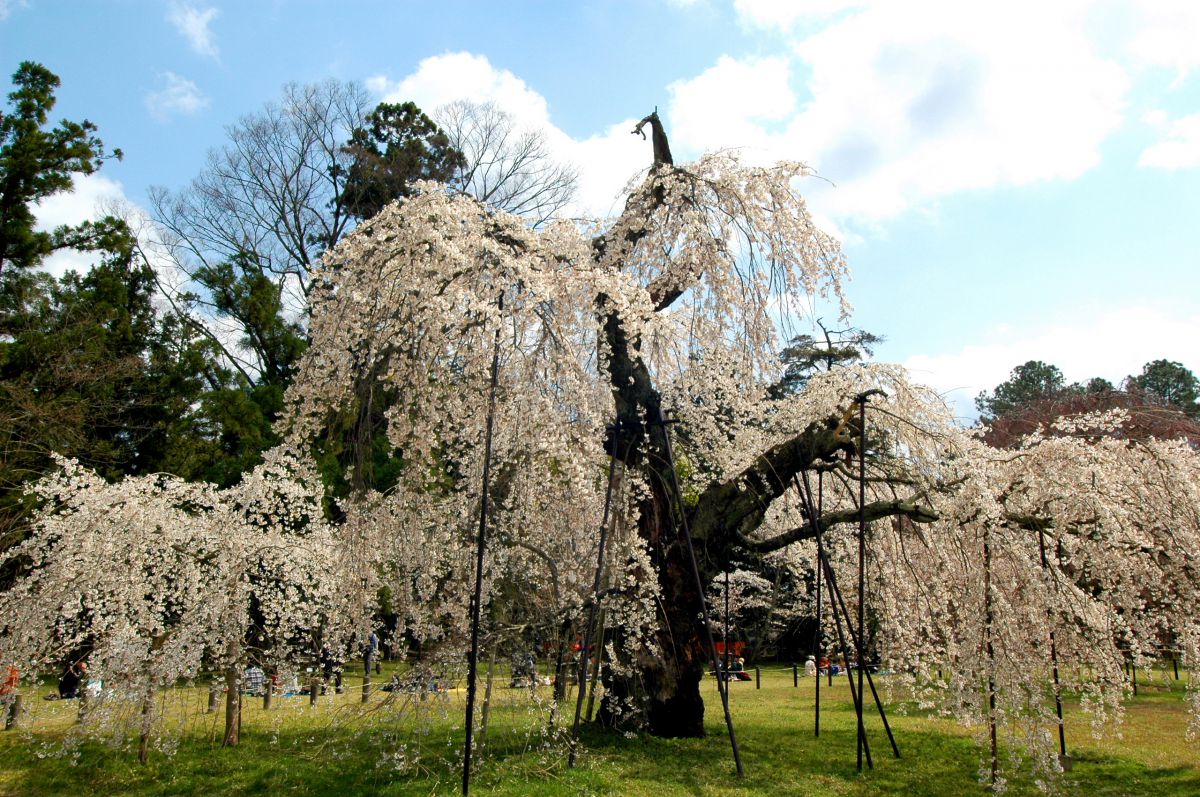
(722, 686)
(481, 546)
(597, 583)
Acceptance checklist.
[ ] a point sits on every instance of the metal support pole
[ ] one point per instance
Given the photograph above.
(815, 520)
(757, 677)
(366, 687)
(863, 746)
(862, 559)
(795, 676)
(820, 627)
(836, 593)
(837, 602)
(722, 686)
(991, 654)
(480, 548)
(725, 626)
(597, 583)
(595, 676)
(1058, 710)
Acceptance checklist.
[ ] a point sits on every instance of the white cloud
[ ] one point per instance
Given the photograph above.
(909, 102)
(8, 6)
(730, 103)
(180, 96)
(606, 160)
(464, 76)
(1180, 146)
(90, 193)
(94, 196)
(1168, 35)
(192, 23)
(1109, 344)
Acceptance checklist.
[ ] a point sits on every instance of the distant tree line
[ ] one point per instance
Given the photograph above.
(1162, 401)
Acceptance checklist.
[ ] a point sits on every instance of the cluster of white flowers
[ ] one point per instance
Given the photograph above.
(150, 580)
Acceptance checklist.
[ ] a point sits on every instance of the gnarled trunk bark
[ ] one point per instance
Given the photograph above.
(662, 687)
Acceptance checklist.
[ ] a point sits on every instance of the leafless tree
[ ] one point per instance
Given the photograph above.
(506, 166)
(271, 194)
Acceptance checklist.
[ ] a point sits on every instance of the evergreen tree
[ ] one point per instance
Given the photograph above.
(1171, 383)
(36, 163)
(1028, 382)
(398, 146)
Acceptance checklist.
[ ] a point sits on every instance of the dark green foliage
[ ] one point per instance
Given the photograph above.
(1171, 383)
(36, 163)
(232, 426)
(1032, 381)
(398, 146)
(1095, 385)
(806, 355)
(88, 372)
(241, 290)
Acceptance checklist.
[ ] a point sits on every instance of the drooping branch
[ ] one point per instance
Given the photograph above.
(876, 510)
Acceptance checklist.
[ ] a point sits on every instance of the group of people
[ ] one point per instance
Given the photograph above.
(737, 670)
(824, 666)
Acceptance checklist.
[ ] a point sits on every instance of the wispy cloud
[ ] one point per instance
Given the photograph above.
(180, 97)
(1180, 145)
(7, 6)
(193, 22)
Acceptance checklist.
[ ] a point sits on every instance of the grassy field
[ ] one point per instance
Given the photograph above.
(403, 745)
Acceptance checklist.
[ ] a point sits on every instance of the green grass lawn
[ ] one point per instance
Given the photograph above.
(402, 745)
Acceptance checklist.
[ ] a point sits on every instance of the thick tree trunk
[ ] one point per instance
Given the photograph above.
(663, 693)
(665, 688)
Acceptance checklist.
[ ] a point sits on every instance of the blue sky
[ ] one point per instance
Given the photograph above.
(1011, 181)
